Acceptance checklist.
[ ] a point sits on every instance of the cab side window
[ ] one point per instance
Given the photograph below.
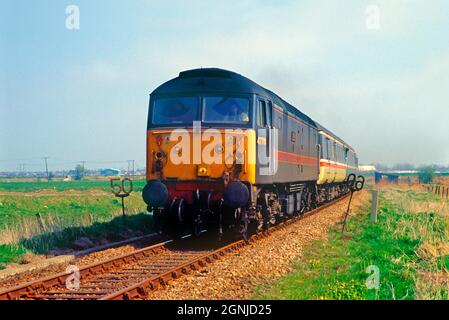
(268, 113)
(262, 114)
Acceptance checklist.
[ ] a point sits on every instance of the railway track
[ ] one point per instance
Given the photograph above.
(134, 275)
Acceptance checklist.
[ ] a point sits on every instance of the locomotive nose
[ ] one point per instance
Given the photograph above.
(236, 195)
(155, 194)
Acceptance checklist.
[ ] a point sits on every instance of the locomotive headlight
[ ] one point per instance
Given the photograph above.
(218, 149)
(202, 171)
(159, 155)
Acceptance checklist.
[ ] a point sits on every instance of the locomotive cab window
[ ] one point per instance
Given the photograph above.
(226, 110)
(172, 111)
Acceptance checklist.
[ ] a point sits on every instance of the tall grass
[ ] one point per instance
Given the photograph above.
(54, 223)
(54, 235)
(83, 185)
(409, 245)
(47, 222)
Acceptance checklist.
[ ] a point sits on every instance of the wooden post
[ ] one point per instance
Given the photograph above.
(40, 222)
(374, 205)
(447, 193)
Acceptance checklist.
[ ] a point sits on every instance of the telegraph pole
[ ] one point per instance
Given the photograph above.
(46, 168)
(83, 172)
(129, 167)
(133, 167)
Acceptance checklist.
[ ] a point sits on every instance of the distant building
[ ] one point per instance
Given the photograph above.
(393, 178)
(367, 168)
(110, 172)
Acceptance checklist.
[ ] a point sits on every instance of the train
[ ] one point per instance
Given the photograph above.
(226, 154)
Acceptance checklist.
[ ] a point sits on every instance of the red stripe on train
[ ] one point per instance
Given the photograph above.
(333, 165)
(293, 158)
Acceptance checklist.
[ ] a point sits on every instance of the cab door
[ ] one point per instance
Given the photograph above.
(264, 152)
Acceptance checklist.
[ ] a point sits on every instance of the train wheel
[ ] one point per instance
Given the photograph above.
(176, 218)
(243, 225)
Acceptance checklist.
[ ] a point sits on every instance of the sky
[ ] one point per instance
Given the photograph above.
(375, 72)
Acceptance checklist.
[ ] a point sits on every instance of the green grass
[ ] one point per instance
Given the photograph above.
(10, 253)
(28, 186)
(337, 268)
(64, 216)
(13, 209)
(119, 228)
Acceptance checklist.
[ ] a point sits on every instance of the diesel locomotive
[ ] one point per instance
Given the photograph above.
(224, 153)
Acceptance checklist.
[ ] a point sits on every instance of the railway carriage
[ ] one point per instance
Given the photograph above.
(225, 153)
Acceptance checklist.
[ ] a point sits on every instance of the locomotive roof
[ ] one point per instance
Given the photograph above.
(214, 80)
(321, 128)
(220, 81)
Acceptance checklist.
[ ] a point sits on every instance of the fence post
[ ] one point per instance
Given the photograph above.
(447, 192)
(40, 222)
(374, 204)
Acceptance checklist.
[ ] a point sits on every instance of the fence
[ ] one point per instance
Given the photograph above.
(439, 190)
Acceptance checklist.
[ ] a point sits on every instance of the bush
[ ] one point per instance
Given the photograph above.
(426, 174)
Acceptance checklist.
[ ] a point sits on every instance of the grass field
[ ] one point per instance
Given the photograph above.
(82, 185)
(40, 217)
(408, 248)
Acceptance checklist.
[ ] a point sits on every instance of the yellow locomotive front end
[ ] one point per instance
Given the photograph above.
(201, 159)
(201, 155)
